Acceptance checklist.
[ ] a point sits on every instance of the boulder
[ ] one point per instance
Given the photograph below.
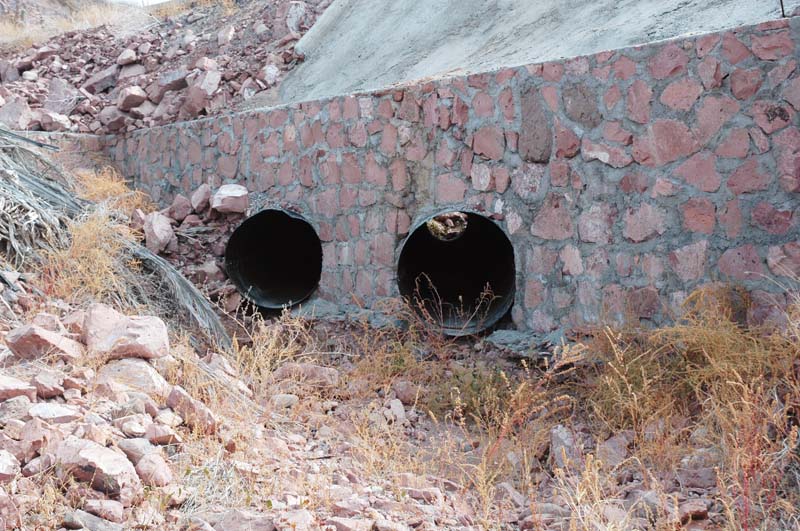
(225, 35)
(32, 341)
(16, 114)
(147, 108)
(131, 70)
(407, 392)
(54, 413)
(168, 81)
(49, 384)
(104, 469)
(230, 199)
(110, 510)
(200, 92)
(131, 97)
(52, 121)
(11, 387)
(73, 322)
(112, 118)
(15, 407)
(136, 448)
(200, 198)
(45, 51)
(114, 335)
(9, 466)
(269, 74)
(169, 107)
(195, 413)
(48, 321)
(161, 434)
(180, 208)
(83, 520)
(135, 374)
(127, 57)
(8, 72)
(206, 64)
(157, 231)
(102, 80)
(61, 97)
(38, 465)
(614, 451)
(564, 450)
(153, 470)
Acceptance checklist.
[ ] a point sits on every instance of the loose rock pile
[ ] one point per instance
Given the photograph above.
(116, 438)
(192, 233)
(97, 430)
(196, 64)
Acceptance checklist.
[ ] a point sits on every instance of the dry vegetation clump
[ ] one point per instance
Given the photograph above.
(93, 266)
(710, 384)
(107, 186)
(96, 264)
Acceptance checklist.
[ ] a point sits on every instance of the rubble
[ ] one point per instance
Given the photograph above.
(94, 81)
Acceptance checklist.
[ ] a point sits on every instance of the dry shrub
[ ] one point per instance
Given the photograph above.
(268, 345)
(211, 479)
(107, 186)
(738, 387)
(415, 353)
(94, 266)
(383, 450)
(588, 493)
(491, 424)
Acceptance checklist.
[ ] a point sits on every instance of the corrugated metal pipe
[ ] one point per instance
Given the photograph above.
(274, 258)
(457, 270)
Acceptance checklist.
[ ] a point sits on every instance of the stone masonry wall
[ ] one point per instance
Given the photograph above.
(624, 179)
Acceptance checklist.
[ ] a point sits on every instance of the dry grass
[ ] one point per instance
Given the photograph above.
(95, 265)
(732, 389)
(268, 345)
(90, 267)
(706, 382)
(122, 20)
(108, 187)
(178, 7)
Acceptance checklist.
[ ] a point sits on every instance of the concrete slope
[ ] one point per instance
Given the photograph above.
(362, 45)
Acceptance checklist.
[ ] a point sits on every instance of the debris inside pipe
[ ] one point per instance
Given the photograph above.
(457, 270)
(274, 258)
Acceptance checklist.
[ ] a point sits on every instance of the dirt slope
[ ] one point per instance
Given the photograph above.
(361, 45)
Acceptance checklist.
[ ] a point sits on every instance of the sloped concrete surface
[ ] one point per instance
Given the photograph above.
(360, 45)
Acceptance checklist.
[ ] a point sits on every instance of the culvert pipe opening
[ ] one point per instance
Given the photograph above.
(457, 270)
(274, 258)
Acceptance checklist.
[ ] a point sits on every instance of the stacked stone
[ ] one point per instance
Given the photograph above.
(624, 179)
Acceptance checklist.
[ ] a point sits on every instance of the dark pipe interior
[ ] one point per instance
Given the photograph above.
(274, 258)
(448, 280)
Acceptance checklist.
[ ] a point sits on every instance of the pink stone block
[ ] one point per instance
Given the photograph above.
(742, 263)
(638, 101)
(699, 215)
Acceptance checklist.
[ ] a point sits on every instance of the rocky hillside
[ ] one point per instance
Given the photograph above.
(209, 59)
